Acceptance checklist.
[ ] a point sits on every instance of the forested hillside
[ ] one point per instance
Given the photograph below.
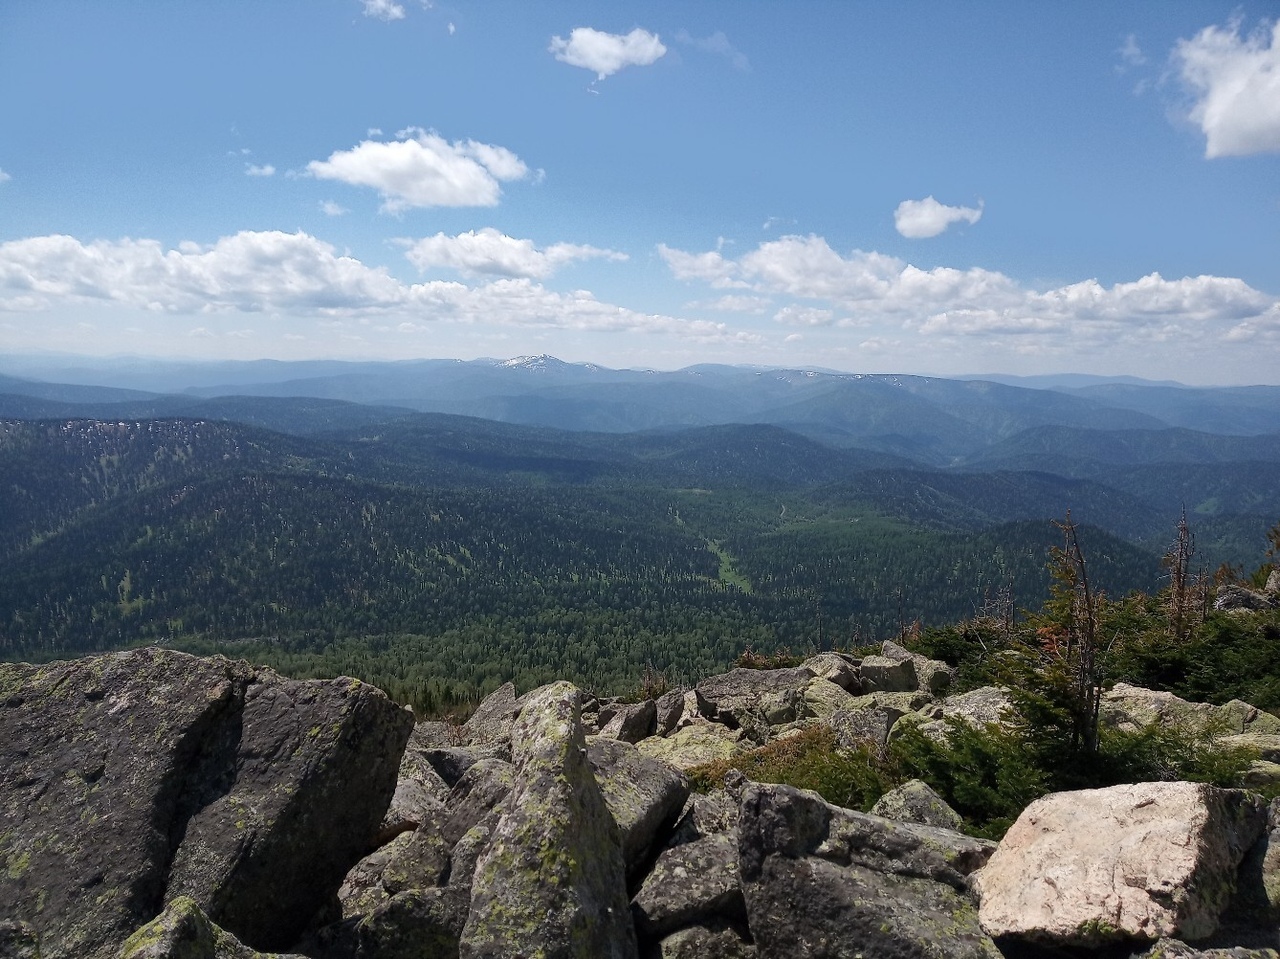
(440, 554)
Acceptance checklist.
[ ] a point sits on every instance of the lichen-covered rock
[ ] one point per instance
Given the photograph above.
(183, 931)
(1176, 949)
(915, 801)
(644, 795)
(693, 745)
(632, 722)
(132, 778)
(1232, 597)
(861, 727)
(880, 674)
(552, 881)
(18, 940)
(752, 698)
(978, 707)
(822, 697)
(820, 881)
(494, 717)
(668, 711)
(837, 668)
(706, 814)
(714, 939)
(1140, 861)
(689, 884)
(362, 890)
(420, 790)
(1131, 707)
(415, 924)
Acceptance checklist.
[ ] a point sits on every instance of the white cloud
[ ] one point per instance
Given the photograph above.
(1236, 84)
(296, 274)
(266, 169)
(489, 252)
(870, 287)
(329, 208)
(737, 304)
(607, 53)
(4, 177)
(718, 44)
(1131, 53)
(422, 169)
(804, 316)
(383, 10)
(919, 219)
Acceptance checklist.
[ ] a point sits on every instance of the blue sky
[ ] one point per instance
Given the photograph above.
(874, 187)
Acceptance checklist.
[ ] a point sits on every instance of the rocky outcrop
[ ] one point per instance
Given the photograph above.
(1140, 861)
(538, 830)
(132, 779)
(553, 878)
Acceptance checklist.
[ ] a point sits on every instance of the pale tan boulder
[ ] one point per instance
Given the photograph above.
(1140, 861)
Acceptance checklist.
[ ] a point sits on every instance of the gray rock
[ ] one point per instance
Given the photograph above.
(1177, 949)
(706, 814)
(1273, 581)
(714, 939)
(18, 940)
(632, 722)
(668, 709)
(693, 745)
(480, 791)
(183, 931)
(820, 881)
(451, 763)
(978, 707)
(880, 674)
(859, 727)
(749, 698)
(362, 890)
(417, 924)
(837, 668)
(552, 881)
(493, 718)
(1233, 597)
(132, 778)
(644, 796)
(915, 801)
(690, 883)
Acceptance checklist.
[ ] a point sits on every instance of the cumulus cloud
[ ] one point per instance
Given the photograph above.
(920, 219)
(266, 169)
(489, 252)
(718, 44)
(1235, 81)
(1130, 53)
(329, 208)
(300, 275)
(383, 9)
(4, 177)
(422, 169)
(944, 302)
(607, 53)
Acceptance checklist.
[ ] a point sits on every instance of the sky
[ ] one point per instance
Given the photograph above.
(927, 188)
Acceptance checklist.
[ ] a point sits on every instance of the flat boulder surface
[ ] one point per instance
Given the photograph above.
(131, 778)
(1141, 861)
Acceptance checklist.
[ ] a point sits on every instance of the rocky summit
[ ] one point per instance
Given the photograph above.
(155, 805)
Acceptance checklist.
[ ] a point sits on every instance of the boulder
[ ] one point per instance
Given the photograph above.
(1233, 597)
(880, 674)
(415, 924)
(494, 717)
(706, 814)
(751, 698)
(632, 722)
(1131, 708)
(183, 931)
(644, 796)
(714, 939)
(1140, 861)
(690, 883)
(552, 880)
(915, 801)
(451, 763)
(1176, 949)
(837, 668)
(978, 707)
(362, 890)
(133, 778)
(668, 710)
(822, 697)
(18, 940)
(860, 727)
(693, 745)
(820, 881)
